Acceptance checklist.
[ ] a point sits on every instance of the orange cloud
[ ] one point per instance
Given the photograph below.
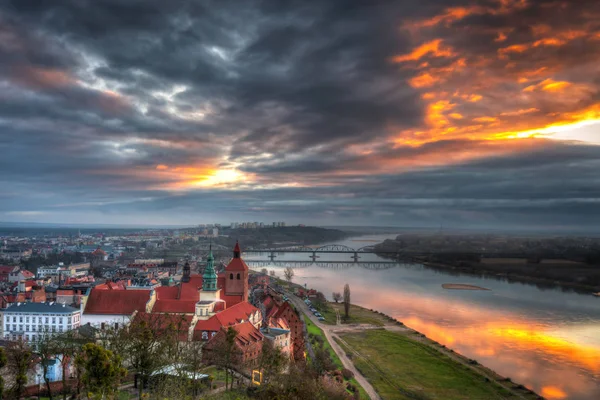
(434, 48)
(548, 85)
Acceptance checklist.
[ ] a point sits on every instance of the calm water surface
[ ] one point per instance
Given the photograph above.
(546, 339)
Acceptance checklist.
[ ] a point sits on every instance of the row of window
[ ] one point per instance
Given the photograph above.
(34, 328)
(47, 319)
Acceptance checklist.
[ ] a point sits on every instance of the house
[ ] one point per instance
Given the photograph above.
(29, 320)
(6, 270)
(103, 308)
(247, 346)
(20, 275)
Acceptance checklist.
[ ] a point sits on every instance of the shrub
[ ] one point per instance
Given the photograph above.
(347, 374)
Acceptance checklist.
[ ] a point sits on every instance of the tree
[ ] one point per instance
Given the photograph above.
(46, 351)
(19, 357)
(347, 300)
(147, 350)
(337, 296)
(19, 361)
(264, 271)
(289, 274)
(272, 272)
(3, 362)
(271, 362)
(101, 370)
(223, 352)
(68, 345)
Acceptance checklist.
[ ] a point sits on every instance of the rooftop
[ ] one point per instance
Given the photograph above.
(52, 307)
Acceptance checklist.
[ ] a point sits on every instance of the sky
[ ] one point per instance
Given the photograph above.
(461, 113)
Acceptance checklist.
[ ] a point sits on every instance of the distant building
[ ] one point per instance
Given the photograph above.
(20, 275)
(6, 270)
(29, 320)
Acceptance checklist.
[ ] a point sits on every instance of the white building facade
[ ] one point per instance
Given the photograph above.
(28, 321)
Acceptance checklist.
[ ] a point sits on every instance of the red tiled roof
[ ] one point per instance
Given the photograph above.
(235, 314)
(236, 264)
(247, 334)
(27, 274)
(167, 292)
(120, 302)
(6, 269)
(189, 290)
(174, 306)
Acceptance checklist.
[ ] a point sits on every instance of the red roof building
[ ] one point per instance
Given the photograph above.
(248, 345)
(116, 302)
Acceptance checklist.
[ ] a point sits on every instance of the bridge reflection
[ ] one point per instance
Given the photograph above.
(374, 265)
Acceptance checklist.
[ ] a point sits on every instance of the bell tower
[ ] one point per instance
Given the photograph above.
(236, 275)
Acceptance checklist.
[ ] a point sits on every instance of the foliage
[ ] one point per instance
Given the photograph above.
(289, 274)
(347, 374)
(347, 300)
(224, 353)
(3, 362)
(19, 361)
(337, 297)
(102, 370)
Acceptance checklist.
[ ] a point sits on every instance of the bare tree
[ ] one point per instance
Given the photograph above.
(264, 271)
(20, 361)
(347, 300)
(45, 349)
(337, 296)
(272, 272)
(289, 274)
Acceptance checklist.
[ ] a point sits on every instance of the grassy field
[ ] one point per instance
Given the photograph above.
(358, 315)
(402, 368)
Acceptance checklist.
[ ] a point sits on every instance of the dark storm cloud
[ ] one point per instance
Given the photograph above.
(116, 110)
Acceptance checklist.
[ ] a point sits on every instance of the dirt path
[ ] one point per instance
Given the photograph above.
(336, 347)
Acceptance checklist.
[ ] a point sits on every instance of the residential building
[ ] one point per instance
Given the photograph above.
(30, 320)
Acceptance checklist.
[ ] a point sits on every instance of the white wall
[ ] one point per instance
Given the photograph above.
(96, 320)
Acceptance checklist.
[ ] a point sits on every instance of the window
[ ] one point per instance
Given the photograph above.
(46, 319)
(230, 276)
(14, 319)
(60, 320)
(20, 319)
(204, 335)
(8, 327)
(238, 276)
(20, 327)
(213, 334)
(26, 319)
(26, 327)
(53, 320)
(116, 325)
(33, 320)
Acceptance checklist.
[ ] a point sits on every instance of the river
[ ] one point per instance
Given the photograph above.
(545, 339)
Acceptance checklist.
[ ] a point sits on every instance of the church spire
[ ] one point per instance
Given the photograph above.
(186, 272)
(236, 250)
(209, 278)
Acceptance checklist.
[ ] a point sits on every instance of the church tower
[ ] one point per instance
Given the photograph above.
(186, 273)
(209, 295)
(236, 275)
(209, 278)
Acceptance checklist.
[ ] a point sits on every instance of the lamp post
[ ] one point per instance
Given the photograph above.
(39, 376)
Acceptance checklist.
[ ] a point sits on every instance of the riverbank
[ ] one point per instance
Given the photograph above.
(402, 363)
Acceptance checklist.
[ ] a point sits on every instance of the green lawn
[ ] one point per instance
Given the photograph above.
(402, 368)
(358, 315)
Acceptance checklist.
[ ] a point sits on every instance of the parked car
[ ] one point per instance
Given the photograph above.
(321, 319)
